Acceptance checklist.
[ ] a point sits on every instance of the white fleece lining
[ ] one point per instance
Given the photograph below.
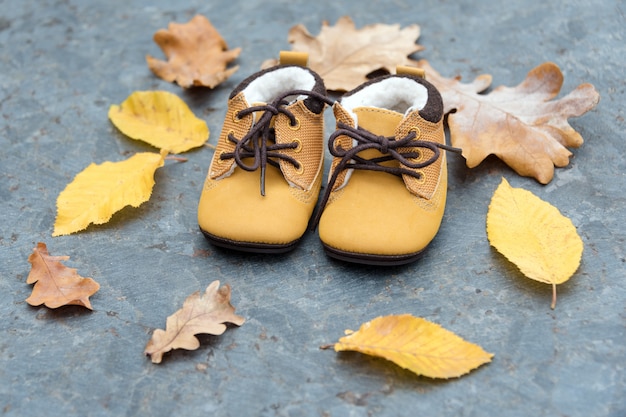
(265, 88)
(397, 94)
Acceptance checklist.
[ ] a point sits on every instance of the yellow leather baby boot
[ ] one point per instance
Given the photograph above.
(387, 184)
(266, 172)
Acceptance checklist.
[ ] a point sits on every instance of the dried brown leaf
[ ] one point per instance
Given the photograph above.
(521, 125)
(344, 55)
(196, 52)
(55, 284)
(201, 314)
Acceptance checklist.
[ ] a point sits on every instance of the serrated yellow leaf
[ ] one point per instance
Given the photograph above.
(533, 235)
(161, 119)
(416, 344)
(99, 191)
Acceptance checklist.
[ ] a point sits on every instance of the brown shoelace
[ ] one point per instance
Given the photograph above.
(389, 148)
(254, 144)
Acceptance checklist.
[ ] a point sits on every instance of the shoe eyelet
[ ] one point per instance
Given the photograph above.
(230, 132)
(299, 147)
(417, 131)
(219, 159)
(419, 158)
(296, 126)
(236, 118)
(300, 169)
(422, 177)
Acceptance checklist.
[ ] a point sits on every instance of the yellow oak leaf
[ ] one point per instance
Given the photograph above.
(521, 125)
(99, 191)
(200, 314)
(416, 344)
(196, 52)
(57, 285)
(161, 119)
(533, 235)
(344, 56)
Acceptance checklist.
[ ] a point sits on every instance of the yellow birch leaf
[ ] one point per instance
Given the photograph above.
(99, 191)
(416, 344)
(534, 235)
(161, 119)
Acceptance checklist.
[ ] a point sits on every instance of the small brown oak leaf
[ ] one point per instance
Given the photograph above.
(57, 285)
(196, 52)
(200, 314)
(521, 125)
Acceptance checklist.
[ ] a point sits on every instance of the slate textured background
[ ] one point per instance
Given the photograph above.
(63, 63)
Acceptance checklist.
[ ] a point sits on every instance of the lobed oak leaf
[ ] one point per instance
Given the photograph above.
(200, 314)
(521, 125)
(344, 55)
(416, 344)
(196, 52)
(57, 285)
(533, 235)
(161, 119)
(99, 191)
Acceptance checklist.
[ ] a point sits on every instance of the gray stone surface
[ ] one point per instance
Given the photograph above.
(63, 63)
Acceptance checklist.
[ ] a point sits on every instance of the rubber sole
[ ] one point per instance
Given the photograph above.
(250, 246)
(369, 259)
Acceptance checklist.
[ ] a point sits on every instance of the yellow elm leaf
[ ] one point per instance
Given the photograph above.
(99, 191)
(161, 119)
(533, 235)
(416, 344)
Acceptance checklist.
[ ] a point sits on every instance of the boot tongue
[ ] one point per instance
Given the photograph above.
(379, 121)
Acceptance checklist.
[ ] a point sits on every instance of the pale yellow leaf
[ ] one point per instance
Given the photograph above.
(99, 191)
(161, 119)
(416, 344)
(533, 235)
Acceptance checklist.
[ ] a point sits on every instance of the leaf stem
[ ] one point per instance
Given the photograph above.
(175, 158)
(553, 305)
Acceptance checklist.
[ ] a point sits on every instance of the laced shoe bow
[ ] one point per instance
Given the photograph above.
(259, 143)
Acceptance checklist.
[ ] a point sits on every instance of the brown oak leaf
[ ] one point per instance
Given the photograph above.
(196, 52)
(344, 55)
(521, 125)
(204, 314)
(55, 284)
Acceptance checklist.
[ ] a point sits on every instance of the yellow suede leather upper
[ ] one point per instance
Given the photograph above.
(233, 208)
(375, 213)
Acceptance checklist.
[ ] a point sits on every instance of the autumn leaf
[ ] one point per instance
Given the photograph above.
(201, 314)
(533, 235)
(161, 119)
(99, 191)
(344, 55)
(521, 125)
(416, 344)
(196, 52)
(57, 285)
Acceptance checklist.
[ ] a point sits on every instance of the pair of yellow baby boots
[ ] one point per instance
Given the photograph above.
(386, 189)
